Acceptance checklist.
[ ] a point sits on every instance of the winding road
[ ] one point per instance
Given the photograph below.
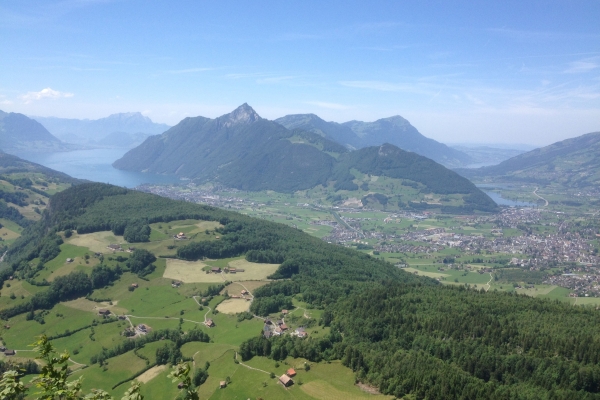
(490, 281)
(540, 197)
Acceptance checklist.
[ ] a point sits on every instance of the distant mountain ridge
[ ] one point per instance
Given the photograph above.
(572, 162)
(394, 130)
(132, 129)
(247, 152)
(18, 133)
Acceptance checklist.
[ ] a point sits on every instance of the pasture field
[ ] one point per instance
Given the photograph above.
(115, 370)
(189, 272)
(96, 242)
(151, 373)
(252, 271)
(233, 306)
(236, 287)
(192, 271)
(425, 273)
(84, 304)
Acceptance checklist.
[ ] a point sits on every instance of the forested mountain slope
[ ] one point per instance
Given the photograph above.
(573, 163)
(244, 151)
(18, 132)
(404, 334)
(394, 130)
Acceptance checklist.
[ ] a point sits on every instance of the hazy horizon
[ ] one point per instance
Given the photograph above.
(467, 72)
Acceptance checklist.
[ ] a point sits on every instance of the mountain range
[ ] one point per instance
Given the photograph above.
(116, 130)
(572, 163)
(394, 130)
(247, 152)
(19, 133)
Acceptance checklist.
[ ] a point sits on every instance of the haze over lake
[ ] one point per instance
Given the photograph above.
(95, 165)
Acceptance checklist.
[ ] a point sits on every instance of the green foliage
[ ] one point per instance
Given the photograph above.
(137, 231)
(168, 354)
(181, 374)
(141, 261)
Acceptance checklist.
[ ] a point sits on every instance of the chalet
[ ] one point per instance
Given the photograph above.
(244, 292)
(69, 260)
(284, 312)
(278, 322)
(268, 321)
(180, 236)
(209, 323)
(286, 380)
(291, 372)
(6, 326)
(104, 312)
(134, 285)
(277, 331)
(130, 249)
(283, 327)
(143, 328)
(122, 317)
(115, 247)
(222, 384)
(9, 352)
(215, 270)
(175, 284)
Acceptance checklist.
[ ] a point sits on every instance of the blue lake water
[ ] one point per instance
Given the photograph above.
(501, 201)
(95, 165)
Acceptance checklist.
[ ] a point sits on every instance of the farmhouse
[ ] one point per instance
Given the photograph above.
(215, 270)
(209, 323)
(301, 333)
(291, 372)
(143, 329)
(104, 312)
(283, 327)
(286, 380)
(115, 247)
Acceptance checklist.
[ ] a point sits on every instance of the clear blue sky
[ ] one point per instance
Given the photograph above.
(477, 71)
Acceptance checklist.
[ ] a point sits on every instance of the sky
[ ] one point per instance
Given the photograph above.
(459, 71)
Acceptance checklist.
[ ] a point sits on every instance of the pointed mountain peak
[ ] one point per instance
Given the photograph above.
(244, 114)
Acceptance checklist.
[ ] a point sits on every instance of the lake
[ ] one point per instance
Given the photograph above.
(501, 201)
(95, 165)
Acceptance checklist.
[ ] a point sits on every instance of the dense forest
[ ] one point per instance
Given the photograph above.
(402, 333)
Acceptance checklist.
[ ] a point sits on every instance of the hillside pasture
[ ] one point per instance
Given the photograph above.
(252, 271)
(151, 373)
(96, 242)
(233, 306)
(189, 271)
